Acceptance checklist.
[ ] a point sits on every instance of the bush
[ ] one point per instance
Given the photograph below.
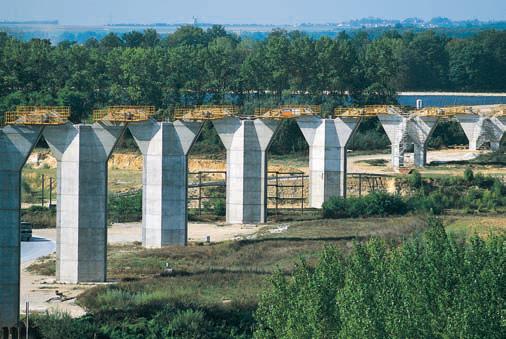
(468, 175)
(415, 179)
(373, 204)
(61, 325)
(431, 287)
(39, 217)
(125, 207)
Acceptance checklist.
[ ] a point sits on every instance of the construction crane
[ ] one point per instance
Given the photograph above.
(124, 113)
(37, 115)
(205, 112)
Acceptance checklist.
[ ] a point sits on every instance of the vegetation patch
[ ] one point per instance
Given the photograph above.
(39, 217)
(431, 285)
(44, 266)
(470, 193)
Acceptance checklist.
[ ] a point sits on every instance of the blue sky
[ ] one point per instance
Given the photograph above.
(237, 11)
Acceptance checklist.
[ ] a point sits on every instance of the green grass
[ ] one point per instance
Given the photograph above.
(375, 162)
(225, 280)
(231, 271)
(467, 226)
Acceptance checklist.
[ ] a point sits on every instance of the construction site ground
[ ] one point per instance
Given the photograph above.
(125, 174)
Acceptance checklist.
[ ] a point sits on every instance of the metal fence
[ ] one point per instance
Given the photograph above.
(286, 190)
(204, 186)
(364, 183)
(45, 196)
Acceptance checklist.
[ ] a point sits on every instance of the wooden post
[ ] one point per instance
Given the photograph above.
(27, 316)
(50, 191)
(200, 192)
(302, 194)
(360, 184)
(42, 196)
(277, 193)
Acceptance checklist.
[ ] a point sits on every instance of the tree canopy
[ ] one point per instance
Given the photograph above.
(194, 66)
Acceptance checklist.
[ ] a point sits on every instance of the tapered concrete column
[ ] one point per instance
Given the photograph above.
(327, 140)
(419, 129)
(16, 143)
(246, 142)
(165, 148)
(82, 152)
(395, 127)
(480, 129)
(405, 130)
(500, 123)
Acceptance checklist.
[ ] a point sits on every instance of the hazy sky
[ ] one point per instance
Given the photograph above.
(251, 11)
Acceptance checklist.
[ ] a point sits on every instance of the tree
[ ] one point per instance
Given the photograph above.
(133, 39)
(111, 40)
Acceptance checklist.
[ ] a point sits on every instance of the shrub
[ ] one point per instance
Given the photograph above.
(125, 207)
(39, 217)
(374, 204)
(468, 175)
(415, 179)
(61, 325)
(220, 207)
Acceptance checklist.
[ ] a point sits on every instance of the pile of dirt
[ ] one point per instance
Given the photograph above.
(126, 161)
(42, 159)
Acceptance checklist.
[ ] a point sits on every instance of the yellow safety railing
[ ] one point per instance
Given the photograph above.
(500, 110)
(37, 115)
(454, 110)
(372, 110)
(205, 112)
(287, 111)
(124, 113)
(430, 112)
(488, 110)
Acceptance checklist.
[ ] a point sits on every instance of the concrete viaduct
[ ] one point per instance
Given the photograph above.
(82, 152)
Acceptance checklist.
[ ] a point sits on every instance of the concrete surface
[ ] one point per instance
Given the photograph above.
(327, 140)
(246, 142)
(480, 129)
(165, 149)
(82, 152)
(16, 143)
(405, 130)
(35, 248)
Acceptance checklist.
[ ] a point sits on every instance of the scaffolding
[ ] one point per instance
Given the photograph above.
(429, 112)
(37, 115)
(288, 111)
(205, 112)
(368, 111)
(124, 113)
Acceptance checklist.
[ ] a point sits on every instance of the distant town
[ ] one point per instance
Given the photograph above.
(56, 32)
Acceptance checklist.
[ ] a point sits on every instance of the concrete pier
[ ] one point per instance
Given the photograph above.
(327, 140)
(165, 147)
(16, 144)
(82, 152)
(403, 131)
(481, 129)
(246, 142)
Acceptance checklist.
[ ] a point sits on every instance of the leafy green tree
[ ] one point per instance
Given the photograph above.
(111, 40)
(133, 39)
(431, 286)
